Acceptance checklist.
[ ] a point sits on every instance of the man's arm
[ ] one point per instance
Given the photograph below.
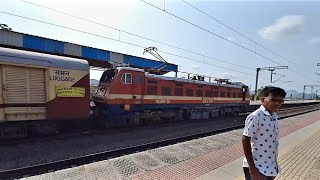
(254, 172)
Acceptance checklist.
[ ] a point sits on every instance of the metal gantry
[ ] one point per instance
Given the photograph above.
(281, 76)
(266, 69)
(318, 64)
(311, 86)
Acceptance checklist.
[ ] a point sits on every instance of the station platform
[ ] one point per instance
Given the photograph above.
(258, 102)
(299, 156)
(213, 157)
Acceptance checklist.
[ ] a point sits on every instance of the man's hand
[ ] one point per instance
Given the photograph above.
(255, 174)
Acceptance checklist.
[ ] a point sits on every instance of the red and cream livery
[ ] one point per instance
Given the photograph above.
(129, 95)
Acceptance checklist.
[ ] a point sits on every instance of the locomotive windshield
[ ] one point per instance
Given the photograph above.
(107, 76)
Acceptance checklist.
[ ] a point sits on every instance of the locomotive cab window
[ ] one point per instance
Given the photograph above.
(107, 76)
(126, 78)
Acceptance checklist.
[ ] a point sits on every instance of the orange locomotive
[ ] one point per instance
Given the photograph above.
(132, 96)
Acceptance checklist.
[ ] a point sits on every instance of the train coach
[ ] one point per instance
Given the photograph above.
(39, 91)
(132, 96)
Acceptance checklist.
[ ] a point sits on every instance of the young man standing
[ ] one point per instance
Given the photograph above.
(260, 138)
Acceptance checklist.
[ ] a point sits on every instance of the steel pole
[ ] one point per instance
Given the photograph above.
(256, 89)
(304, 88)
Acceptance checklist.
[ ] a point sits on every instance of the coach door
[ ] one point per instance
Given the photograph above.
(132, 82)
(23, 93)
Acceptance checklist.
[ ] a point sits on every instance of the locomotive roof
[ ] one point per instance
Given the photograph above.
(39, 59)
(191, 81)
(177, 79)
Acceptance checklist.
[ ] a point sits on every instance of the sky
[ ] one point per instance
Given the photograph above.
(272, 33)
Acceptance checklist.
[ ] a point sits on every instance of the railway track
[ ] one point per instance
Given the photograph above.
(93, 131)
(66, 163)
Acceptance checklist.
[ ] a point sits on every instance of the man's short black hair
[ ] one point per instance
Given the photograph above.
(275, 91)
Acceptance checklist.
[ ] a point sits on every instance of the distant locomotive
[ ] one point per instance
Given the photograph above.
(132, 96)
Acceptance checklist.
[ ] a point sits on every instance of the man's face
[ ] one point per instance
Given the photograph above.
(272, 103)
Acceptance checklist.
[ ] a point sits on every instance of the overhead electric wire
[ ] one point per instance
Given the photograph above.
(210, 32)
(136, 35)
(234, 30)
(213, 58)
(246, 37)
(100, 36)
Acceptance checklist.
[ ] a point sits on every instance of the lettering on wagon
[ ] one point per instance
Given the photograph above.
(59, 75)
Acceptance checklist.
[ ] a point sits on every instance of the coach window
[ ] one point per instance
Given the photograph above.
(208, 93)
(126, 78)
(152, 90)
(178, 91)
(166, 91)
(229, 94)
(240, 95)
(222, 94)
(234, 94)
(215, 90)
(152, 82)
(199, 93)
(189, 92)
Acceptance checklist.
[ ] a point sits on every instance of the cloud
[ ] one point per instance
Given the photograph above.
(283, 27)
(315, 40)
